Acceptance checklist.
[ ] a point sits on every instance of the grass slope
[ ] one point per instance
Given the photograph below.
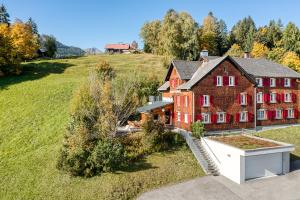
(289, 135)
(33, 116)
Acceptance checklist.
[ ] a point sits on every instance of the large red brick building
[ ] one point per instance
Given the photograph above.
(227, 93)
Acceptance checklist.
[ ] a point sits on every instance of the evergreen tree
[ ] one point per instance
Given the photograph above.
(291, 38)
(4, 16)
(33, 26)
(222, 37)
(50, 45)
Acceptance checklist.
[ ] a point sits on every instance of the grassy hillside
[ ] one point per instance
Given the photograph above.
(33, 116)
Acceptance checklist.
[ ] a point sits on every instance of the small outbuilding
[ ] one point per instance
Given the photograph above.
(243, 157)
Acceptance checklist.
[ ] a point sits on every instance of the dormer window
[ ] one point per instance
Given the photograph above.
(259, 82)
(219, 81)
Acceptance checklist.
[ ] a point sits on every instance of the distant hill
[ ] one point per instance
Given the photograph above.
(92, 51)
(64, 50)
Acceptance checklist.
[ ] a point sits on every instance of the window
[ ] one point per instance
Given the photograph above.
(259, 97)
(290, 113)
(243, 99)
(243, 116)
(186, 101)
(221, 117)
(272, 82)
(231, 80)
(205, 118)
(287, 97)
(205, 100)
(278, 114)
(272, 97)
(287, 82)
(178, 116)
(186, 118)
(261, 114)
(259, 82)
(219, 81)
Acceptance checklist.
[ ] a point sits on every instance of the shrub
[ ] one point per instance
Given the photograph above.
(105, 71)
(197, 129)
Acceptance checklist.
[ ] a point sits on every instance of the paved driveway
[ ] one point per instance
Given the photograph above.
(285, 187)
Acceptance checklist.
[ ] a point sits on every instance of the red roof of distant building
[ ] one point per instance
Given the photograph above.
(117, 46)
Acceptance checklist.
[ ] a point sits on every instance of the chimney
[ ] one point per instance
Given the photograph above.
(246, 54)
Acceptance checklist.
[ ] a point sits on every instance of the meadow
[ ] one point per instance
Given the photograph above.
(34, 111)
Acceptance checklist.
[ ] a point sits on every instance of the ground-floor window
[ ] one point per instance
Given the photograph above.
(261, 114)
(178, 116)
(221, 117)
(290, 113)
(186, 118)
(206, 118)
(278, 114)
(243, 116)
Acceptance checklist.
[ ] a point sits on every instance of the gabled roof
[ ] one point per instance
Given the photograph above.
(185, 69)
(117, 46)
(266, 68)
(164, 87)
(154, 105)
(207, 67)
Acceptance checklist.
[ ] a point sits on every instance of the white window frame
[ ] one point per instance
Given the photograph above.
(278, 114)
(219, 114)
(287, 97)
(290, 113)
(186, 118)
(243, 97)
(243, 116)
(273, 97)
(186, 101)
(272, 82)
(231, 81)
(259, 82)
(259, 96)
(219, 80)
(261, 114)
(287, 82)
(178, 116)
(206, 100)
(206, 118)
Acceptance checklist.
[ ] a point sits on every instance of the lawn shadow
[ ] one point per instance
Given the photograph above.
(34, 71)
(138, 165)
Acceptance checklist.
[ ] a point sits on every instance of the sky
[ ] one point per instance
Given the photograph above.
(93, 23)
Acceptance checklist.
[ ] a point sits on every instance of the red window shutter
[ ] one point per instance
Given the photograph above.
(238, 98)
(235, 81)
(214, 118)
(249, 100)
(278, 82)
(282, 97)
(188, 101)
(211, 100)
(293, 82)
(278, 99)
(181, 101)
(198, 117)
(285, 113)
(228, 118)
(237, 117)
(226, 80)
(215, 80)
(175, 101)
(266, 82)
(250, 117)
(296, 112)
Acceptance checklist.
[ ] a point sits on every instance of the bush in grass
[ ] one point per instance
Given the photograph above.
(197, 129)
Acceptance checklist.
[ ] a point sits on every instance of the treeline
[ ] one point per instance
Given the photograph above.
(179, 36)
(19, 41)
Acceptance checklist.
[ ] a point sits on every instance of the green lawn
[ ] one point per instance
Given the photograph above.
(33, 116)
(289, 135)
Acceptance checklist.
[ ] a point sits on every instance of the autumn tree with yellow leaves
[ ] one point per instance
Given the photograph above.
(18, 43)
(292, 60)
(259, 50)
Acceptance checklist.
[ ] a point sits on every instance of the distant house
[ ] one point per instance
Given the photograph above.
(117, 48)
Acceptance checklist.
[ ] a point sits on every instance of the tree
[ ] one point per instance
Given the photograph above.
(4, 16)
(222, 37)
(50, 45)
(208, 34)
(291, 38)
(149, 34)
(8, 63)
(259, 50)
(235, 51)
(292, 60)
(33, 26)
(269, 35)
(276, 54)
(25, 43)
(134, 45)
(243, 33)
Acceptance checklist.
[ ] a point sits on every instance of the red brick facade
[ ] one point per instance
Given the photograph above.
(232, 99)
